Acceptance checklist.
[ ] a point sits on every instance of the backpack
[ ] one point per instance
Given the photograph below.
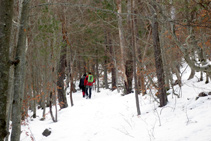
(90, 78)
(81, 84)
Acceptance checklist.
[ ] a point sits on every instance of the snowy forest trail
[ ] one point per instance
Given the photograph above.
(105, 116)
(110, 116)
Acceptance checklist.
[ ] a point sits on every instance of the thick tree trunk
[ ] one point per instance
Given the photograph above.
(61, 76)
(158, 58)
(61, 71)
(19, 74)
(13, 43)
(122, 43)
(6, 13)
(128, 52)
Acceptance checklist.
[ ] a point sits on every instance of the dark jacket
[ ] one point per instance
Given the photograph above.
(81, 84)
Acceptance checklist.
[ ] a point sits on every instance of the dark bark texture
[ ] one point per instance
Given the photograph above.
(113, 69)
(129, 74)
(6, 12)
(61, 71)
(61, 77)
(158, 59)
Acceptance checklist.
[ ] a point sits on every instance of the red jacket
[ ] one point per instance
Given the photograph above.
(86, 83)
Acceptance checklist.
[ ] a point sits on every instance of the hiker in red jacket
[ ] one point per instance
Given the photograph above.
(88, 82)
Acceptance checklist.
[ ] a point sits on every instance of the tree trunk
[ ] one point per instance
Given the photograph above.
(34, 104)
(175, 70)
(6, 13)
(113, 68)
(192, 74)
(122, 42)
(53, 97)
(129, 74)
(106, 60)
(61, 76)
(166, 65)
(19, 74)
(97, 71)
(128, 52)
(207, 78)
(51, 112)
(45, 91)
(158, 58)
(105, 74)
(134, 44)
(61, 71)
(141, 57)
(72, 84)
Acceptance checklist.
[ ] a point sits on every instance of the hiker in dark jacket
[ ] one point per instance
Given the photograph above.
(81, 85)
(88, 82)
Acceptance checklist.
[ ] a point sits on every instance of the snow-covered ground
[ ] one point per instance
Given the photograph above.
(108, 116)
